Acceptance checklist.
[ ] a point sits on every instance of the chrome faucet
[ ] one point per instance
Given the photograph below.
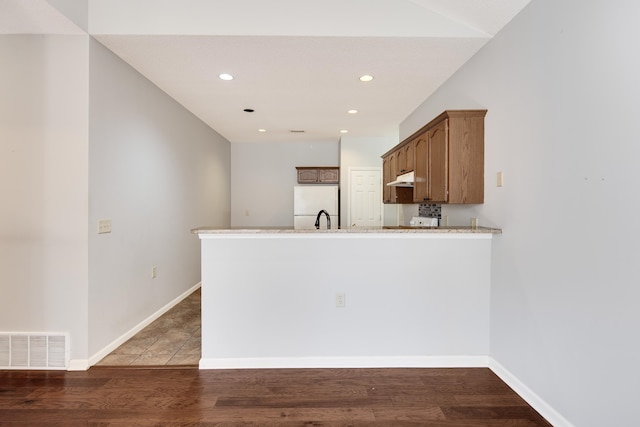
(318, 219)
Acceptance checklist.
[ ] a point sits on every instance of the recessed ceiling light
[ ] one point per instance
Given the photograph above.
(366, 78)
(226, 76)
(352, 111)
(344, 131)
(262, 130)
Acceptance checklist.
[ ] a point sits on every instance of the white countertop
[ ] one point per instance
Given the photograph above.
(348, 230)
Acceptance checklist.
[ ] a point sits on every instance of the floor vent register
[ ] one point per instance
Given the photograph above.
(33, 351)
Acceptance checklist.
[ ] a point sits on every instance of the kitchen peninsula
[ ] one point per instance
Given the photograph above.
(354, 297)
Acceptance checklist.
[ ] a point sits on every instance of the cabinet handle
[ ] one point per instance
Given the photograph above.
(425, 199)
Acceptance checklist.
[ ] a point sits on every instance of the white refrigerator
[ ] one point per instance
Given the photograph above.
(308, 200)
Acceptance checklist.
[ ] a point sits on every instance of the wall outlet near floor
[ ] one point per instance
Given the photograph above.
(153, 272)
(104, 226)
(340, 299)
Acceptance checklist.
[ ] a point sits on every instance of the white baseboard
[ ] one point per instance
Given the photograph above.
(346, 362)
(535, 401)
(84, 364)
(78, 365)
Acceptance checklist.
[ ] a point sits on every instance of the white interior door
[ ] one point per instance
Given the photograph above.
(365, 200)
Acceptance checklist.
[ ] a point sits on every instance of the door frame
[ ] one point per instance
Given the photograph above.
(350, 170)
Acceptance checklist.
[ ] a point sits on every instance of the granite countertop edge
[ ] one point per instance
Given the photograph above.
(350, 230)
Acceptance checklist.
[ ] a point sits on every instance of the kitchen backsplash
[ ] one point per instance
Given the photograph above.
(430, 210)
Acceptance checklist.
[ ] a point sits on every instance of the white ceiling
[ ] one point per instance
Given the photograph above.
(295, 62)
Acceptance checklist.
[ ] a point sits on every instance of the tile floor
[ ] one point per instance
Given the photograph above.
(172, 339)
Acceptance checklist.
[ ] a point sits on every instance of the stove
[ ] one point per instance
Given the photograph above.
(421, 221)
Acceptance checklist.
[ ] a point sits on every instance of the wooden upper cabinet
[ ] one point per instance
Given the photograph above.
(386, 177)
(307, 176)
(438, 164)
(318, 174)
(396, 162)
(409, 156)
(389, 172)
(421, 153)
(329, 175)
(447, 158)
(400, 161)
(405, 158)
(466, 157)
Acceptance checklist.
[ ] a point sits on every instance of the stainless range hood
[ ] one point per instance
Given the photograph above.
(404, 180)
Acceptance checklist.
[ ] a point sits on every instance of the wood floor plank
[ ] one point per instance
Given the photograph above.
(490, 412)
(394, 414)
(277, 401)
(262, 397)
(510, 399)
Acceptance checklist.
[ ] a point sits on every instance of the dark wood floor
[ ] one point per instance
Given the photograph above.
(290, 397)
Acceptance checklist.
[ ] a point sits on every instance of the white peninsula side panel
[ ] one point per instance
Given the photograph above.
(419, 300)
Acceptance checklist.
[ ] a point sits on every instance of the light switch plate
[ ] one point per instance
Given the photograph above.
(104, 226)
(499, 179)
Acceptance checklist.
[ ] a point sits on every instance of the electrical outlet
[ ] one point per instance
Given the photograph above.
(499, 179)
(153, 272)
(340, 301)
(104, 226)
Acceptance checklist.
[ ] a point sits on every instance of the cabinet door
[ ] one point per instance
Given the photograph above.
(307, 176)
(466, 159)
(409, 156)
(389, 164)
(401, 161)
(328, 176)
(438, 170)
(386, 177)
(404, 156)
(393, 174)
(421, 158)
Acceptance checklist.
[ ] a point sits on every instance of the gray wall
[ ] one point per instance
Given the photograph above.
(560, 83)
(43, 185)
(263, 176)
(157, 172)
(84, 137)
